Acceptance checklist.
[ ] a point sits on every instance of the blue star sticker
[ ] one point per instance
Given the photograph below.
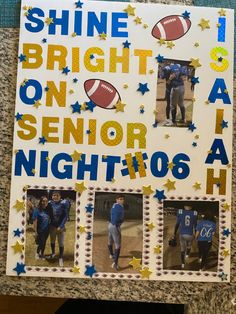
(220, 59)
(218, 184)
(142, 110)
(90, 270)
(89, 235)
(143, 88)
(195, 80)
(126, 44)
(22, 57)
(20, 268)
(223, 276)
(18, 116)
(112, 133)
(194, 144)
(44, 40)
(91, 57)
(160, 195)
(42, 140)
(90, 105)
(75, 80)
(224, 124)
(186, 14)
(89, 208)
(79, 4)
(160, 58)
(65, 70)
(191, 127)
(155, 125)
(88, 132)
(226, 232)
(17, 232)
(46, 89)
(76, 107)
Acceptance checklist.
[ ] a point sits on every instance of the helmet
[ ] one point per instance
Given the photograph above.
(172, 242)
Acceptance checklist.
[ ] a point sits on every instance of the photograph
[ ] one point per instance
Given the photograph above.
(50, 228)
(117, 231)
(175, 92)
(191, 235)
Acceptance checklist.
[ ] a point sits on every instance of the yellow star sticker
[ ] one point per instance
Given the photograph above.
(24, 82)
(170, 165)
(103, 36)
(138, 20)
(193, 99)
(141, 106)
(218, 25)
(130, 10)
(145, 273)
(225, 253)
(195, 63)
(83, 106)
(25, 188)
(80, 187)
(196, 44)
(26, 13)
(33, 171)
(204, 24)
(120, 106)
(48, 158)
(151, 71)
(147, 190)
(19, 205)
(113, 180)
(157, 249)
(16, 151)
(209, 151)
(104, 156)
(25, 7)
(222, 12)
(71, 91)
(228, 165)
(197, 186)
(150, 226)
(76, 270)
(170, 185)
(170, 44)
(196, 137)
(167, 136)
(145, 25)
(18, 247)
(82, 229)
(74, 34)
(37, 103)
(161, 41)
(226, 91)
(125, 86)
(207, 102)
(226, 206)
(155, 112)
(76, 156)
(135, 263)
(49, 20)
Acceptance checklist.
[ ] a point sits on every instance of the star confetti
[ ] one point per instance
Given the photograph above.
(20, 268)
(49, 21)
(224, 124)
(37, 103)
(186, 14)
(90, 105)
(191, 127)
(44, 40)
(103, 36)
(170, 165)
(19, 205)
(196, 44)
(159, 195)
(65, 70)
(161, 41)
(75, 80)
(170, 185)
(143, 88)
(222, 12)
(226, 206)
(223, 276)
(151, 71)
(138, 20)
(120, 106)
(147, 190)
(22, 57)
(145, 273)
(76, 107)
(79, 4)
(74, 34)
(225, 253)
(17, 232)
(25, 188)
(80, 187)
(130, 10)
(157, 249)
(76, 156)
(150, 226)
(159, 58)
(197, 186)
(33, 170)
(89, 208)
(170, 44)
(167, 136)
(195, 80)
(226, 232)
(42, 140)
(195, 63)
(125, 86)
(145, 26)
(18, 247)
(82, 229)
(135, 263)
(194, 144)
(204, 24)
(196, 137)
(76, 270)
(90, 270)
(18, 116)
(126, 44)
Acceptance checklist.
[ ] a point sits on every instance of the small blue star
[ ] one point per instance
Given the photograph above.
(65, 70)
(186, 14)
(17, 232)
(112, 133)
(42, 140)
(18, 116)
(76, 107)
(195, 80)
(90, 270)
(160, 195)
(44, 40)
(143, 88)
(20, 268)
(160, 58)
(226, 232)
(220, 59)
(89, 208)
(194, 144)
(223, 276)
(91, 57)
(224, 124)
(90, 105)
(22, 57)
(75, 80)
(79, 4)
(89, 235)
(191, 127)
(155, 125)
(88, 132)
(142, 110)
(46, 89)
(126, 44)
(218, 184)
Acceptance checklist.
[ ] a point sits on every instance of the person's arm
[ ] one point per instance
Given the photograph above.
(197, 234)
(65, 216)
(35, 221)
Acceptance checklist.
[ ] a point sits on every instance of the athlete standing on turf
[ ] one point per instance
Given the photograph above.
(114, 230)
(186, 223)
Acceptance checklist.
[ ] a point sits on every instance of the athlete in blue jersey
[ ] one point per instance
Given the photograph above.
(41, 220)
(58, 215)
(186, 223)
(204, 233)
(114, 231)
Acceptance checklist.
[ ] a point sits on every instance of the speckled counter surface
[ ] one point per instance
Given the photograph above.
(199, 297)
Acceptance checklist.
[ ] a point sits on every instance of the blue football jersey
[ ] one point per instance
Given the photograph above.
(206, 228)
(187, 220)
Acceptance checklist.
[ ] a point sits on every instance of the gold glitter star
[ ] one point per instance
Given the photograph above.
(155, 112)
(16, 151)
(103, 36)
(130, 10)
(48, 158)
(37, 103)
(141, 106)
(147, 190)
(18, 247)
(120, 106)
(204, 24)
(225, 253)
(25, 7)
(195, 63)
(150, 226)
(157, 249)
(49, 20)
(228, 165)
(145, 273)
(226, 91)
(170, 165)
(209, 151)
(104, 156)
(33, 170)
(83, 106)
(226, 206)
(222, 12)
(25, 188)
(167, 136)
(207, 102)
(80, 187)
(135, 263)
(193, 99)
(145, 25)
(76, 156)
(113, 180)
(138, 20)
(125, 86)
(76, 270)
(161, 41)
(71, 91)
(197, 186)
(170, 44)
(74, 34)
(196, 137)
(170, 185)
(196, 44)
(151, 71)
(26, 13)
(19, 205)
(82, 229)
(218, 25)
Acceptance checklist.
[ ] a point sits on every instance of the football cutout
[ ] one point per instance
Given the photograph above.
(102, 93)
(171, 27)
